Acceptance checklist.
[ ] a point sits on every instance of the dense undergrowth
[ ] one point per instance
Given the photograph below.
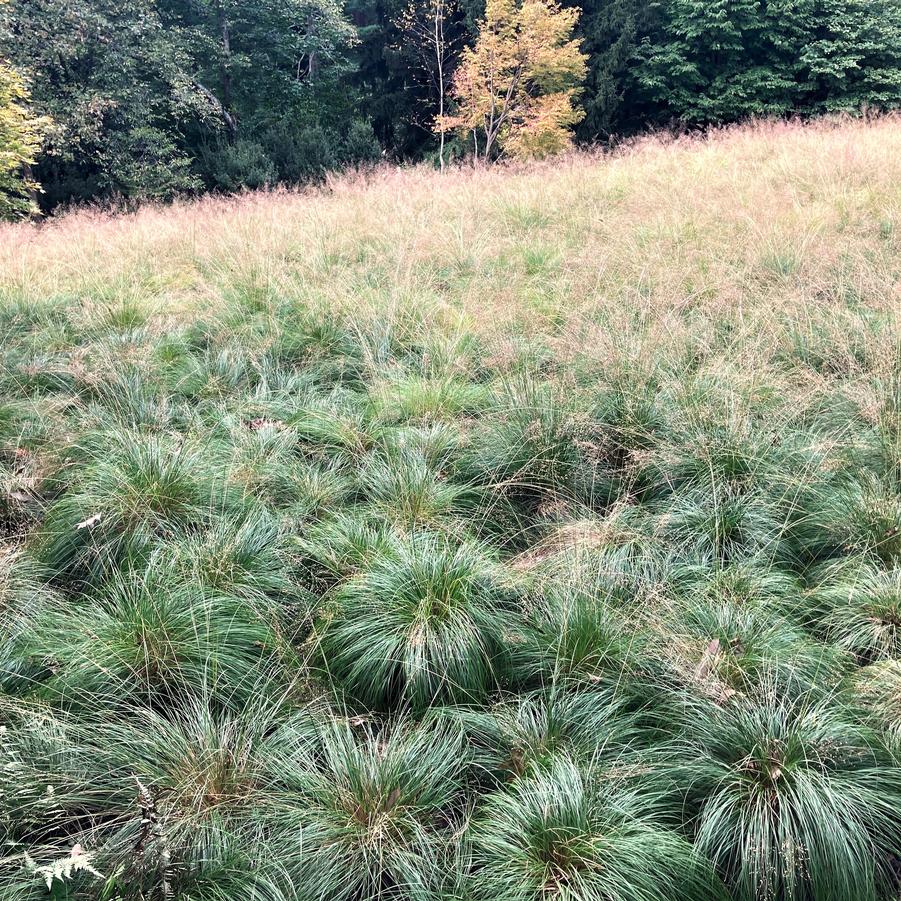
(307, 603)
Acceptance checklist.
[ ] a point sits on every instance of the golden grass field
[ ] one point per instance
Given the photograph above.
(735, 255)
(769, 220)
(751, 245)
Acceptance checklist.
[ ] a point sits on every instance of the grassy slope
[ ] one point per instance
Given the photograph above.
(503, 535)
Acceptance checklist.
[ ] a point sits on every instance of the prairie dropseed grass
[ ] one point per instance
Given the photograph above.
(518, 534)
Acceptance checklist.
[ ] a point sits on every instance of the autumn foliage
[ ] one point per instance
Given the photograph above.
(516, 88)
(20, 138)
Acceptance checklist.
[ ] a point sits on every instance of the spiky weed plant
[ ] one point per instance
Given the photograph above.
(260, 459)
(209, 374)
(132, 400)
(752, 583)
(561, 833)
(23, 588)
(526, 448)
(887, 438)
(851, 514)
(27, 467)
(725, 433)
(631, 421)
(617, 548)
(261, 462)
(422, 624)
(439, 443)
(318, 342)
(721, 528)
(418, 399)
(342, 546)
(335, 427)
(872, 522)
(792, 798)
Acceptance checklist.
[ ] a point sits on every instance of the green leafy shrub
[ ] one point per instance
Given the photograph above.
(242, 164)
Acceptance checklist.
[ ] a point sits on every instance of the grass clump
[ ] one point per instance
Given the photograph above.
(423, 624)
(132, 491)
(793, 798)
(559, 833)
(383, 813)
(860, 611)
(150, 637)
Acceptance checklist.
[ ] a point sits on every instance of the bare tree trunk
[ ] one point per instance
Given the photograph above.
(313, 67)
(228, 118)
(439, 59)
(489, 124)
(31, 188)
(495, 123)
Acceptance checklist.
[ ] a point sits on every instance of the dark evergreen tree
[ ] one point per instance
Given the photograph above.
(715, 61)
(610, 31)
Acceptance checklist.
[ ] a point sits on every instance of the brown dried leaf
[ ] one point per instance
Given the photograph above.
(708, 660)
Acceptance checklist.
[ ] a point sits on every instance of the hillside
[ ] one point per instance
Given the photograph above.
(523, 533)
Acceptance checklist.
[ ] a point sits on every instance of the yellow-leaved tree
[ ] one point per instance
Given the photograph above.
(516, 89)
(20, 140)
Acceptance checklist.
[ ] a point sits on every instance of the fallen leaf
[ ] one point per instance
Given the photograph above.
(261, 423)
(711, 653)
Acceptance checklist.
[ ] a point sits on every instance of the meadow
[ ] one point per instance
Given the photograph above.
(518, 534)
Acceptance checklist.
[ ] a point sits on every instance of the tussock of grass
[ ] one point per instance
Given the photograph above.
(793, 798)
(424, 624)
(567, 833)
(508, 535)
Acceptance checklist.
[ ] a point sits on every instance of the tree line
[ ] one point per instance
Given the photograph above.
(132, 100)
